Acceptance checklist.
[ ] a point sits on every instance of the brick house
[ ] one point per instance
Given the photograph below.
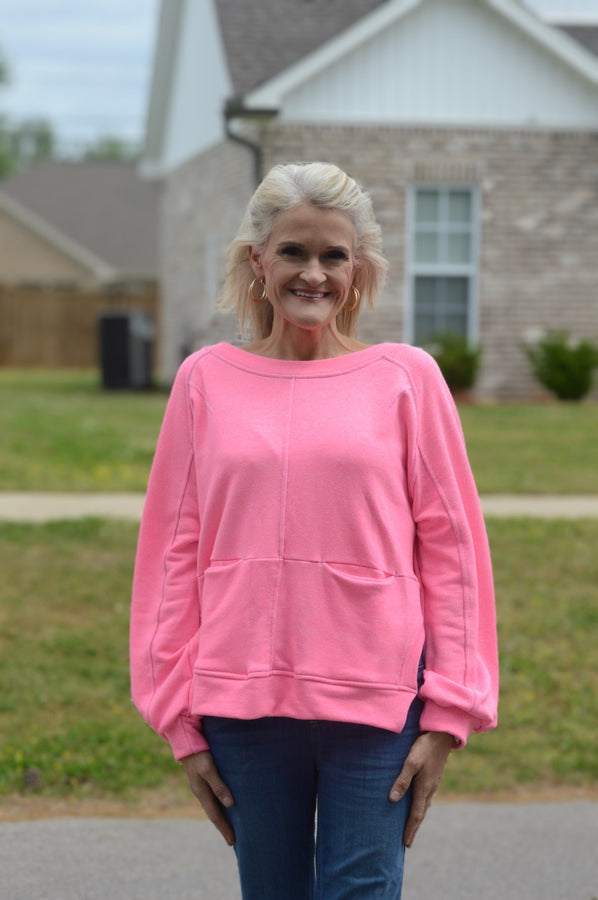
(472, 123)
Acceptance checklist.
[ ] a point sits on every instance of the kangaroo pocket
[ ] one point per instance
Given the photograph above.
(237, 602)
(348, 623)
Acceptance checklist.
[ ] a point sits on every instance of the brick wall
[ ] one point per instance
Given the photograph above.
(539, 228)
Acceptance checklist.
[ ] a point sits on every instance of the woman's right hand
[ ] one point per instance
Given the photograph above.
(210, 790)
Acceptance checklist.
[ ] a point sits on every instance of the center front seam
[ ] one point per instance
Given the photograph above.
(284, 481)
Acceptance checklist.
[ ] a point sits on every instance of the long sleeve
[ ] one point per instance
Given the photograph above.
(452, 554)
(165, 615)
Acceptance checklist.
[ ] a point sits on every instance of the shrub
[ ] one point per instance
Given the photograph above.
(563, 365)
(458, 360)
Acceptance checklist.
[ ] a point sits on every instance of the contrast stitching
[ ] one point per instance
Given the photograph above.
(284, 481)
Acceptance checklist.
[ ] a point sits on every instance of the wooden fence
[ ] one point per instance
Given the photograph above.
(59, 328)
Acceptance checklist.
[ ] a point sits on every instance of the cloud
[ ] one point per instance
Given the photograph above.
(84, 64)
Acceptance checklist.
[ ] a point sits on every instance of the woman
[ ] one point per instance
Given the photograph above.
(313, 615)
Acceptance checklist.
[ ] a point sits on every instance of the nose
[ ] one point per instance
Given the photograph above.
(313, 273)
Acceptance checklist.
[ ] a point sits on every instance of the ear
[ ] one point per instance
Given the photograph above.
(255, 262)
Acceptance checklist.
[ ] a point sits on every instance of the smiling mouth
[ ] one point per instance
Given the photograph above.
(311, 295)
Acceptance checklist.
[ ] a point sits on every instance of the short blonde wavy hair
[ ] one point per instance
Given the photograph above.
(285, 186)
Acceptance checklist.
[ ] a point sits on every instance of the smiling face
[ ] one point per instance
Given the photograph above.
(307, 265)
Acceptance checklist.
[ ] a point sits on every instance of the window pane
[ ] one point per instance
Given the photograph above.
(441, 304)
(459, 206)
(456, 324)
(426, 308)
(456, 291)
(426, 248)
(425, 291)
(459, 248)
(425, 327)
(426, 206)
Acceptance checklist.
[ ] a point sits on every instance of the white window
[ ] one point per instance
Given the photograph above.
(442, 262)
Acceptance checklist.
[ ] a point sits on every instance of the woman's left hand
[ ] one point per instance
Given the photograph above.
(423, 770)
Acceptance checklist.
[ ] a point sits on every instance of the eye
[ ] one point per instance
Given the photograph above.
(336, 255)
(291, 250)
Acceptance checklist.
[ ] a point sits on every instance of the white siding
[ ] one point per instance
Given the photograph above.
(454, 63)
(199, 85)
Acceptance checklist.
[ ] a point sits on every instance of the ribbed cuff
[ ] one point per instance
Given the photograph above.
(186, 737)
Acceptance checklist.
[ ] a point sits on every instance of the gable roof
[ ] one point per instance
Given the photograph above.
(264, 37)
(383, 15)
(101, 213)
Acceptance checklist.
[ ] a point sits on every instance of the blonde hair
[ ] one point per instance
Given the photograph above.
(285, 186)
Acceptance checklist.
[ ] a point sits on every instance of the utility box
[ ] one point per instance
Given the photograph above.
(126, 341)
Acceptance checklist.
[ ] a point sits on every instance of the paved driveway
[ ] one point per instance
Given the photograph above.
(465, 851)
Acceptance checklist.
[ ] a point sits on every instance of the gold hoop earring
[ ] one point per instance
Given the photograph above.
(357, 296)
(263, 295)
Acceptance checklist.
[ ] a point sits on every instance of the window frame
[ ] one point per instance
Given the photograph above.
(469, 270)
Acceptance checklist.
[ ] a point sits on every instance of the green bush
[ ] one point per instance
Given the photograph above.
(563, 365)
(458, 360)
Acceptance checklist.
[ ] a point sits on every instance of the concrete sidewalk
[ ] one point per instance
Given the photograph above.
(45, 507)
(465, 851)
(16, 506)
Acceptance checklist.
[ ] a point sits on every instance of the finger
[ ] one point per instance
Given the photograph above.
(213, 811)
(403, 781)
(208, 772)
(419, 807)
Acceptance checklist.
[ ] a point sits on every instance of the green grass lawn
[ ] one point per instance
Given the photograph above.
(526, 449)
(59, 431)
(65, 708)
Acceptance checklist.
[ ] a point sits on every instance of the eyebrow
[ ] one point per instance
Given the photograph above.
(294, 243)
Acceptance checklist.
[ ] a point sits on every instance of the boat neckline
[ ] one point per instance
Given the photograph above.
(268, 365)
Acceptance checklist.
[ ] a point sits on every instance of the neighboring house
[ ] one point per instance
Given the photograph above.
(472, 123)
(79, 225)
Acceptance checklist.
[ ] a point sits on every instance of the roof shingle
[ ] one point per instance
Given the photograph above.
(264, 38)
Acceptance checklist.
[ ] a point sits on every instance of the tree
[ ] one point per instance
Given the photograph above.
(23, 143)
(111, 148)
(5, 166)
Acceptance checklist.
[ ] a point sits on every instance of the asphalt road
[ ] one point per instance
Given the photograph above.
(465, 851)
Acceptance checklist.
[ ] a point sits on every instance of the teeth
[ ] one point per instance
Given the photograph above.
(312, 296)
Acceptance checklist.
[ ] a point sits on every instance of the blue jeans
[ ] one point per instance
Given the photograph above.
(277, 769)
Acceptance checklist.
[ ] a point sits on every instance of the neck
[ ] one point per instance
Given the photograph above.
(305, 344)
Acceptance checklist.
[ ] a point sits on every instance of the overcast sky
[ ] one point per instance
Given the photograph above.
(83, 64)
(86, 64)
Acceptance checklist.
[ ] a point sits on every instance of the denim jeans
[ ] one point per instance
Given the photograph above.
(279, 770)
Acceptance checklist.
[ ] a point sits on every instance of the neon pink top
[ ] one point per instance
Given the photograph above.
(310, 528)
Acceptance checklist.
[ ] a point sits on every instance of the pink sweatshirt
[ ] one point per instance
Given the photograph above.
(310, 528)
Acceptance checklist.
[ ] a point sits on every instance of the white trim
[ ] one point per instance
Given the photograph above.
(98, 267)
(160, 95)
(558, 43)
(471, 125)
(586, 20)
